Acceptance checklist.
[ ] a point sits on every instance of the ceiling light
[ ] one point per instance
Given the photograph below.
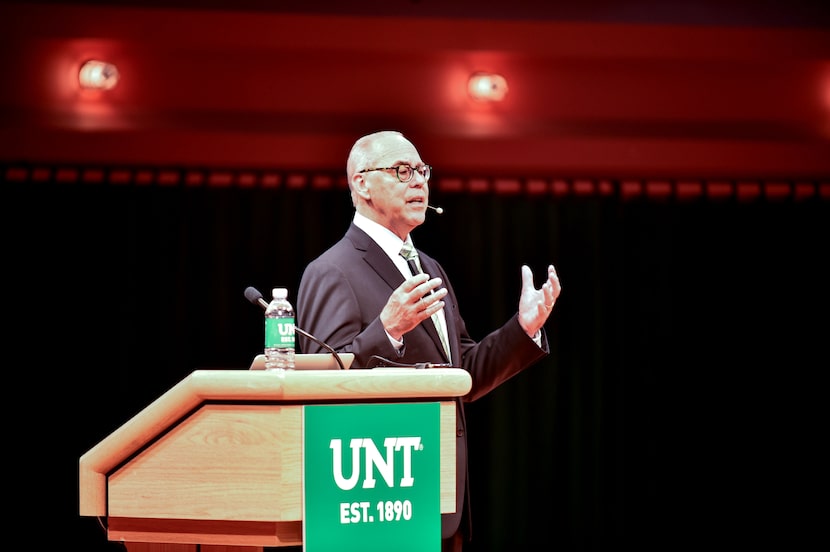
(488, 87)
(98, 75)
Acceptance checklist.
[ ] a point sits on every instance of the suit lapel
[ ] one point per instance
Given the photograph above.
(375, 257)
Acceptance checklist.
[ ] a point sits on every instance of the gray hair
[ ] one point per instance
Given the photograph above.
(363, 151)
(363, 154)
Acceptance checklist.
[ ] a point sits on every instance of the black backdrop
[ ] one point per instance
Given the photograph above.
(673, 411)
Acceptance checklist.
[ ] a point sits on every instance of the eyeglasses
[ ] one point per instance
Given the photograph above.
(405, 172)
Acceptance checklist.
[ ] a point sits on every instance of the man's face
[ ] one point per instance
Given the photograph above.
(399, 206)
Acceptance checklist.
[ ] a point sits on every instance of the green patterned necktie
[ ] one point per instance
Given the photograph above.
(411, 256)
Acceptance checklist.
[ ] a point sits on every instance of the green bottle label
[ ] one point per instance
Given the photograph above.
(279, 332)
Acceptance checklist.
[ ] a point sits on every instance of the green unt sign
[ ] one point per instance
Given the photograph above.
(372, 477)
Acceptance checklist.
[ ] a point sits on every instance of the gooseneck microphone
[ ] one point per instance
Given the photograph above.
(253, 295)
(438, 210)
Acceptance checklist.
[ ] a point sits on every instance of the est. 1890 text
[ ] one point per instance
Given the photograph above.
(385, 510)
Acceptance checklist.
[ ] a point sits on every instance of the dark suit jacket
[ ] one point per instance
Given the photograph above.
(339, 301)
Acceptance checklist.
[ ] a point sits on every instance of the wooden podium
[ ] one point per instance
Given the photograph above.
(216, 462)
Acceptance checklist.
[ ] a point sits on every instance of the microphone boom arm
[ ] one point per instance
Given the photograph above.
(325, 346)
(254, 296)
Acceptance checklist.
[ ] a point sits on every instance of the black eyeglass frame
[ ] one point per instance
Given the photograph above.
(424, 170)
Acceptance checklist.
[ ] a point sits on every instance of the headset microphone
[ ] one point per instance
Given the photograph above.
(438, 210)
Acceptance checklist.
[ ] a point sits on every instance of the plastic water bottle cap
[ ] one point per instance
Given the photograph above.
(279, 293)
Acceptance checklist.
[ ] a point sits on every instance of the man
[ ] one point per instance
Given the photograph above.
(361, 296)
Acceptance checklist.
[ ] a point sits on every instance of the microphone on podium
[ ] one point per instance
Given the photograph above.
(253, 295)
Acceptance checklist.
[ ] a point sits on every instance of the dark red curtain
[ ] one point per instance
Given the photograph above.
(678, 388)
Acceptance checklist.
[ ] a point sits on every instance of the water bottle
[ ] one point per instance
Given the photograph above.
(279, 332)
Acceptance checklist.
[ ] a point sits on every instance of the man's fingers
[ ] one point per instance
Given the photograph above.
(527, 277)
(410, 284)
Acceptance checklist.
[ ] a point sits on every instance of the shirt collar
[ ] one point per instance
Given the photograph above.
(385, 238)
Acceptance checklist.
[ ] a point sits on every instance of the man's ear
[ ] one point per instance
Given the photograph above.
(360, 186)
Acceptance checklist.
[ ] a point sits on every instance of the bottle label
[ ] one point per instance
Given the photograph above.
(279, 332)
